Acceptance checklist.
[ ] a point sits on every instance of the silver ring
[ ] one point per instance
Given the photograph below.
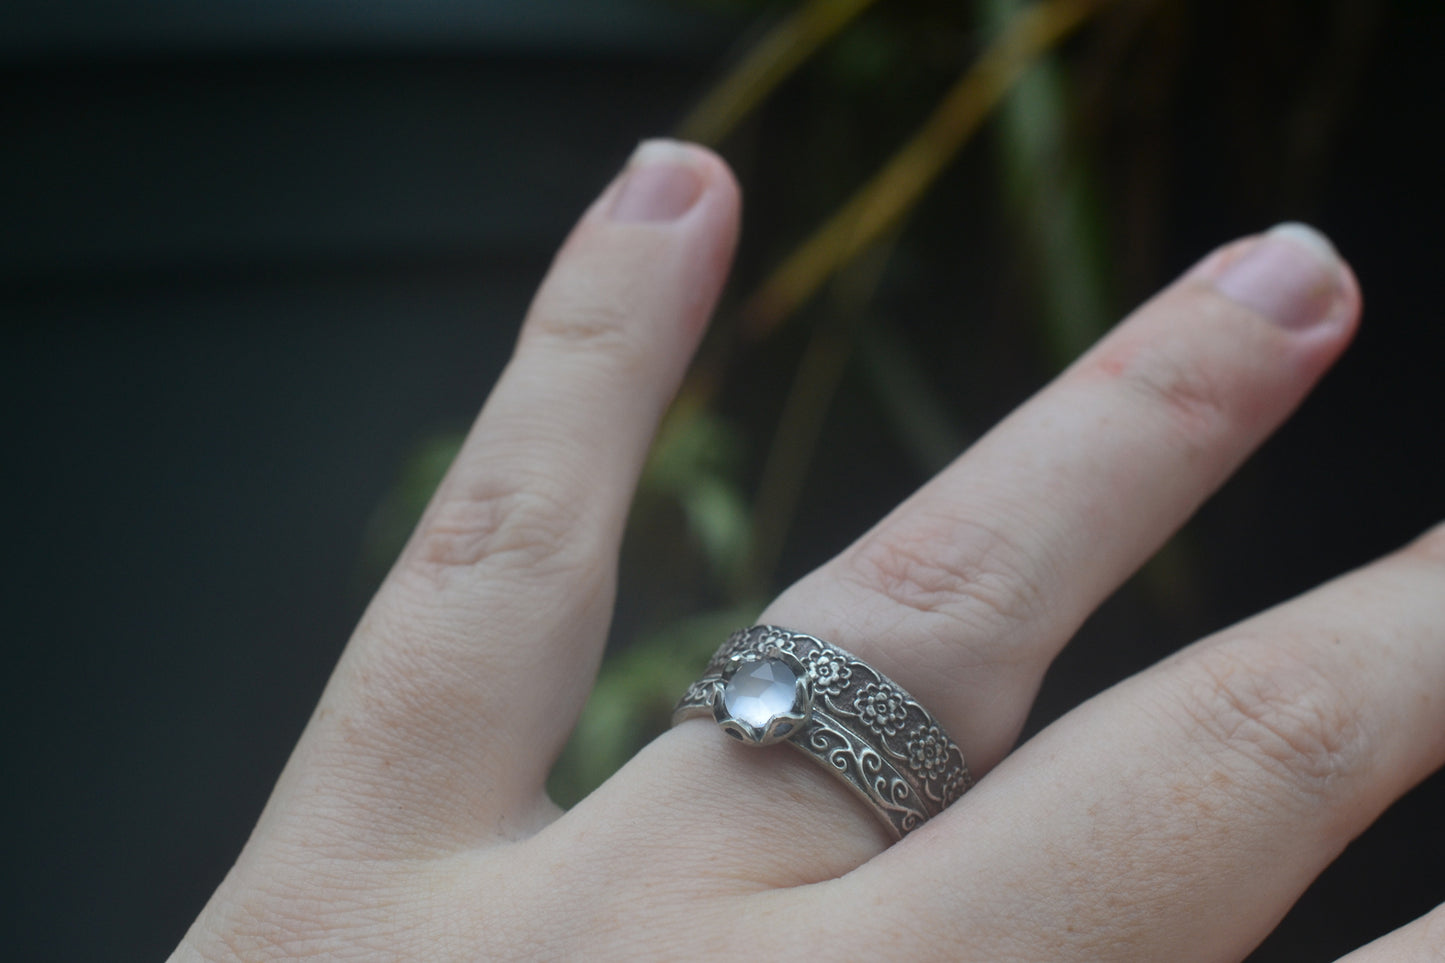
(767, 684)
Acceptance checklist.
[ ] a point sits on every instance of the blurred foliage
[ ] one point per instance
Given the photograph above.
(881, 102)
(1052, 199)
(633, 698)
(880, 205)
(694, 462)
(844, 258)
(773, 58)
(392, 521)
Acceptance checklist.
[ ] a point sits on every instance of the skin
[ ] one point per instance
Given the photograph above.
(1175, 816)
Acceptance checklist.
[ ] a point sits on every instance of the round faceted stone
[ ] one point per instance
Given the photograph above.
(760, 692)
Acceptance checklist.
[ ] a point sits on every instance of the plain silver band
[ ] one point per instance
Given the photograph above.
(864, 727)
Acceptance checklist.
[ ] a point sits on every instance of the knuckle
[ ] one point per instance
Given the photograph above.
(595, 327)
(968, 574)
(1272, 712)
(1182, 389)
(493, 517)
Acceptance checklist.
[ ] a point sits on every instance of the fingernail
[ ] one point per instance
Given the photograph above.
(661, 184)
(1292, 275)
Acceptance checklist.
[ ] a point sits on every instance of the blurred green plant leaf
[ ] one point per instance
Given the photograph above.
(771, 60)
(1053, 200)
(881, 204)
(632, 701)
(392, 521)
(695, 462)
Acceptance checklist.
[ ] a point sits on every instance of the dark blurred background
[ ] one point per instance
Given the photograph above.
(260, 262)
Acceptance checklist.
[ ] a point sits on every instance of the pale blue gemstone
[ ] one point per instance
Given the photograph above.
(759, 692)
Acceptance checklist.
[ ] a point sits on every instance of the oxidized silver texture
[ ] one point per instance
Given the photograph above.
(863, 727)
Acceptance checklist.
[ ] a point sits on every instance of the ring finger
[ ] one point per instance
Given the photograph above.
(966, 592)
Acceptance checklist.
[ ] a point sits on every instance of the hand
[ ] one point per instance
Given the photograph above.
(1173, 817)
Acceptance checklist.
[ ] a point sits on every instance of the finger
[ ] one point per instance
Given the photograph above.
(1422, 941)
(966, 592)
(1180, 814)
(469, 668)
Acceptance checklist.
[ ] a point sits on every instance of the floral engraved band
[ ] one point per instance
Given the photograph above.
(767, 684)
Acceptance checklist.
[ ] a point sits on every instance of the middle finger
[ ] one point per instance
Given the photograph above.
(1178, 815)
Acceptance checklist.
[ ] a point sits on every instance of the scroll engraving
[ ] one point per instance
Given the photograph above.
(865, 728)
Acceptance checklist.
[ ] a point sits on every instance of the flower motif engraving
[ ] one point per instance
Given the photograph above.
(881, 708)
(828, 670)
(954, 786)
(774, 641)
(928, 751)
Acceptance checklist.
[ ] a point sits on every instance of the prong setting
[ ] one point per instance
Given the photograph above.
(763, 699)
